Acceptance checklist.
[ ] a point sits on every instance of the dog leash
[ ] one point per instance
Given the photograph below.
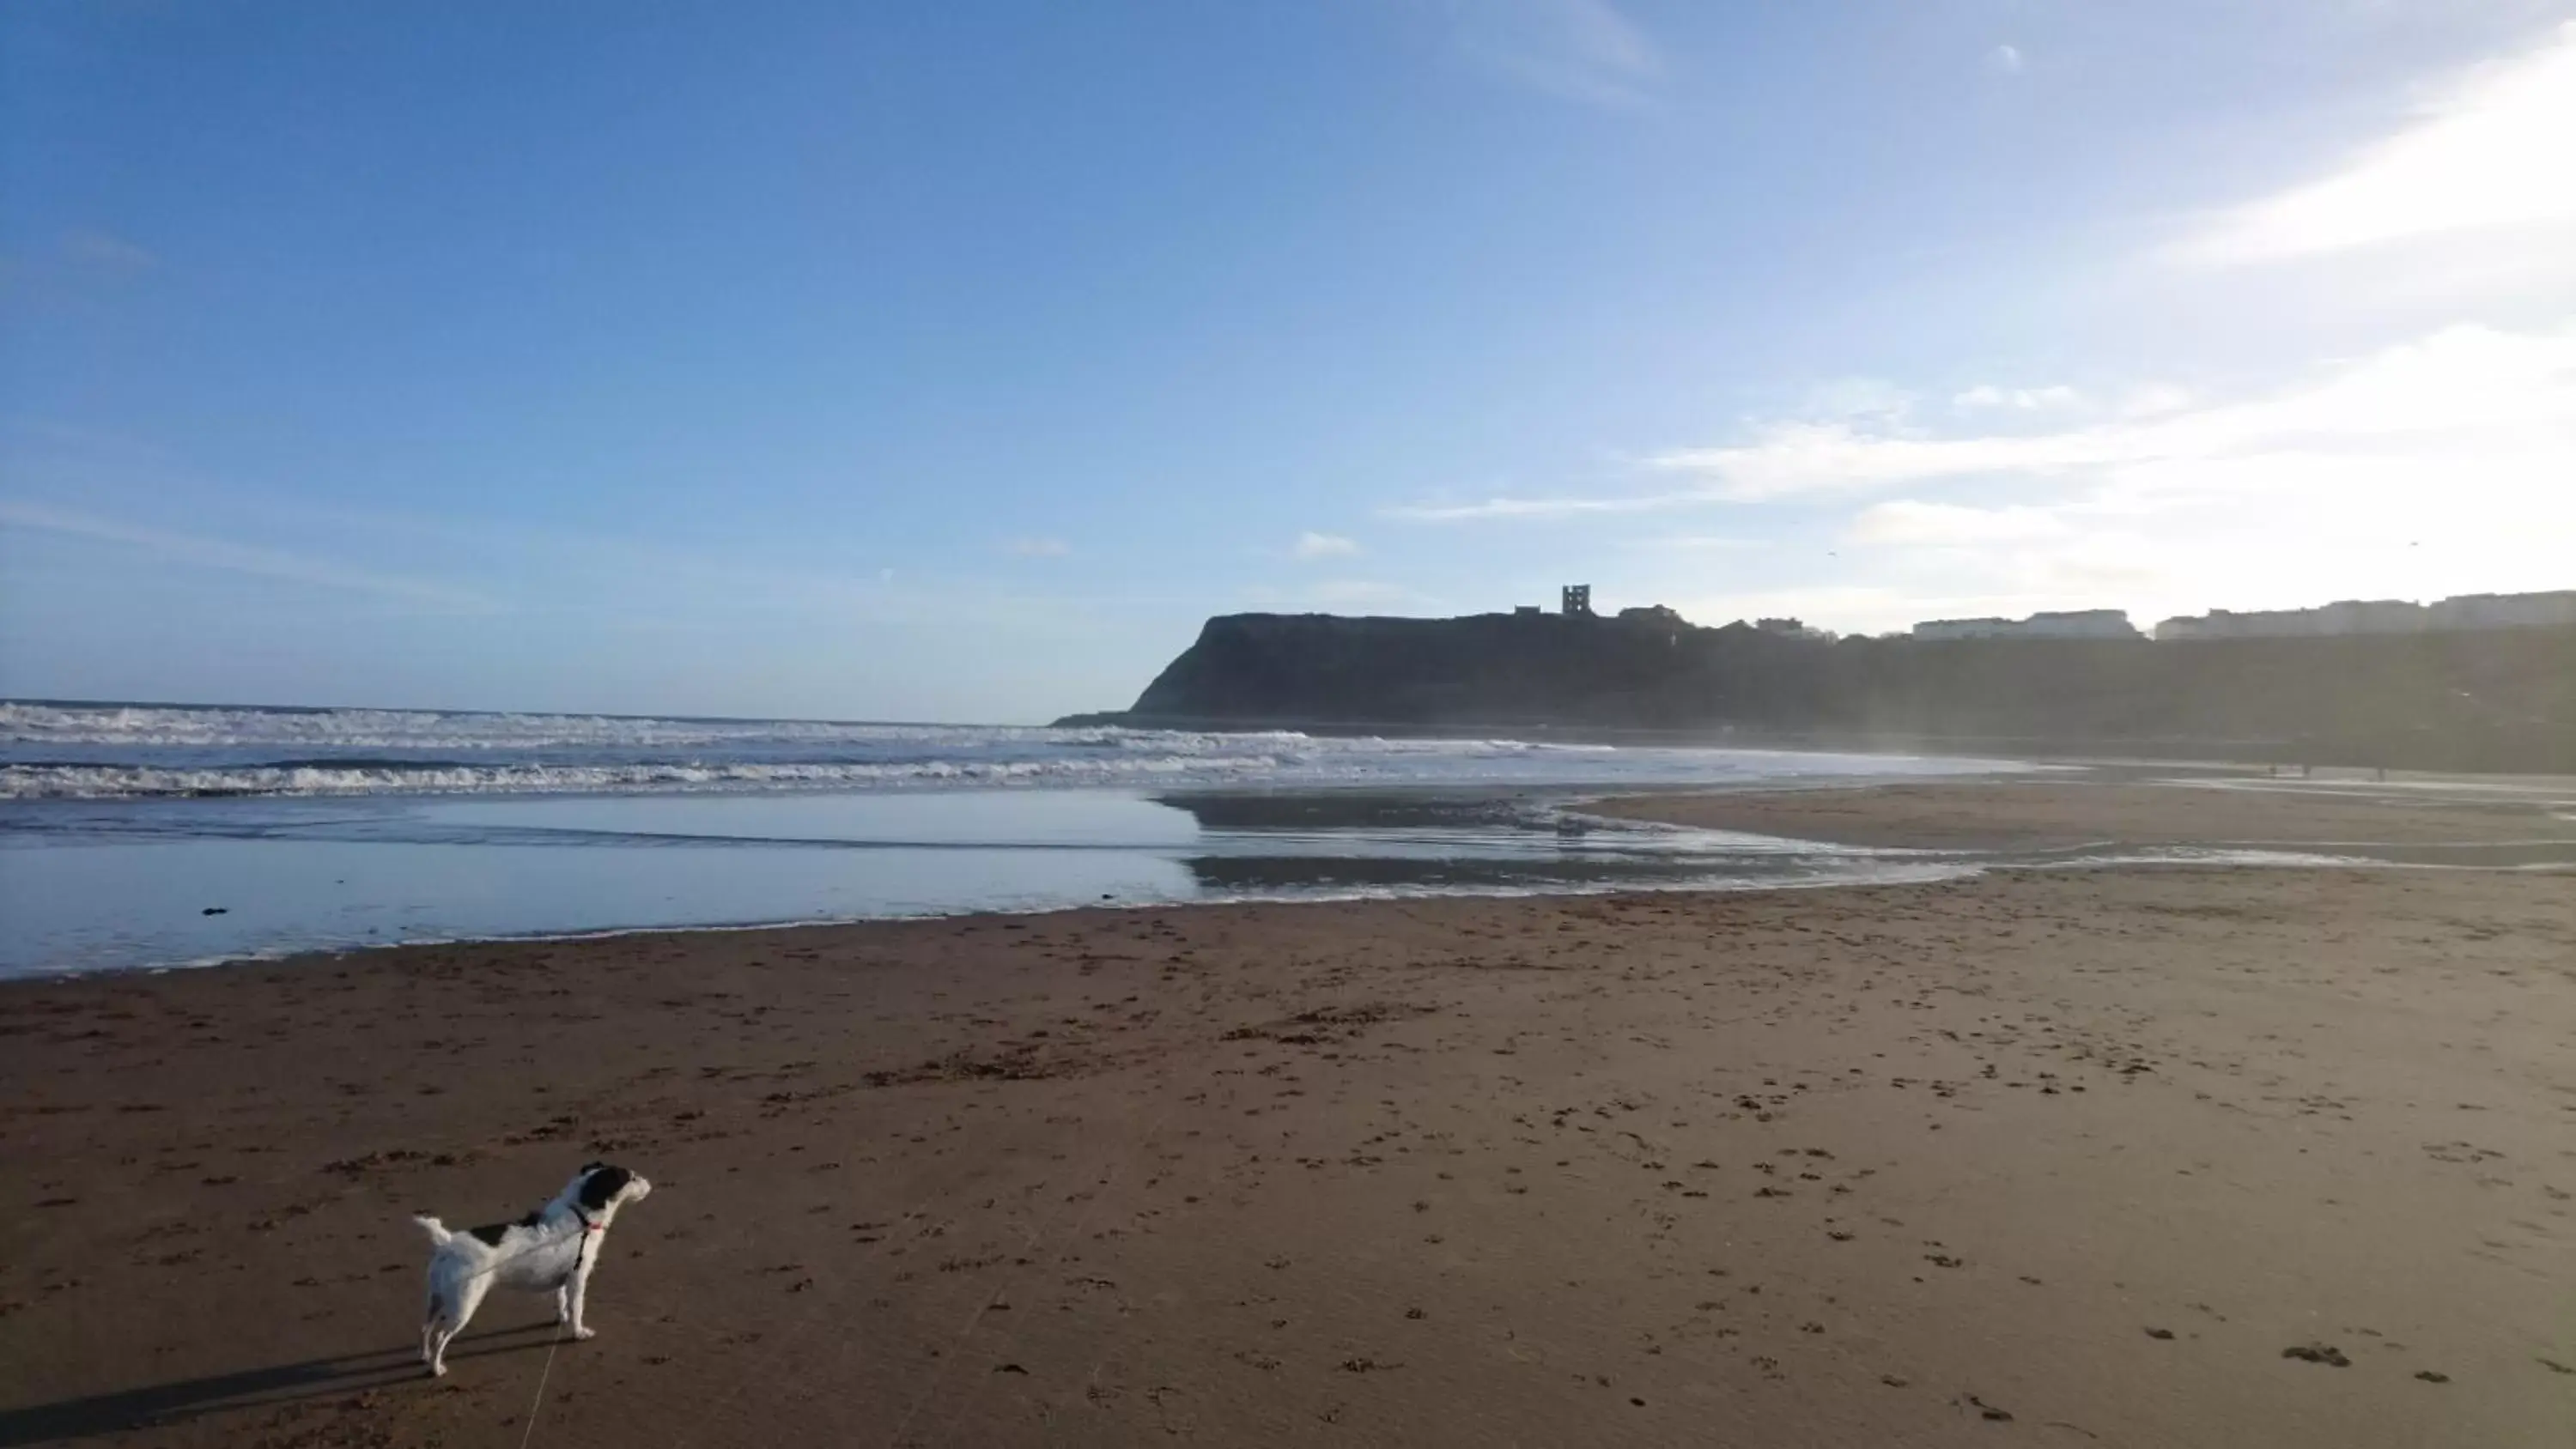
(542, 1375)
(580, 1250)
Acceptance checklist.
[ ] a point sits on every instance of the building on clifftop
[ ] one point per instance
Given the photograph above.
(2068, 624)
(2555, 609)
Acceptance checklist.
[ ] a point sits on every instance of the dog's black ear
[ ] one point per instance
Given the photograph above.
(603, 1185)
(588, 1167)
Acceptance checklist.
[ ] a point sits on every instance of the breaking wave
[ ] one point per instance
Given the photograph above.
(61, 781)
(97, 752)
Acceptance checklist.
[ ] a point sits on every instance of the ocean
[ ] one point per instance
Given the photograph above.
(163, 835)
(54, 751)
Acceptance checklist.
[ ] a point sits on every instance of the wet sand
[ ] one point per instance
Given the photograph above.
(2076, 1158)
(2049, 813)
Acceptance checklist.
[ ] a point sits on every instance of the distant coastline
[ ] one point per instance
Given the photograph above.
(2485, 700)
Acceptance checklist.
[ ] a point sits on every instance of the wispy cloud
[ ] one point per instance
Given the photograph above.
(1533, 507)
(1857, 396)
(2459, 390)
(215, 553)
(2460, 387)
(2026, 399)
(1576, 50)
(1786, 458)
(1698, 542)
(2439, 465)
(1037, 548)
(2005, 60)
(2154, 399)
(1324, 545)
(1909, 523)
(2490, 149)
(103, 250)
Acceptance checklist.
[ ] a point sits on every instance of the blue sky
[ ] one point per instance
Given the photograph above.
(956, 361)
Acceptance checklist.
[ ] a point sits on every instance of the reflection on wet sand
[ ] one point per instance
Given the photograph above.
(128, 883)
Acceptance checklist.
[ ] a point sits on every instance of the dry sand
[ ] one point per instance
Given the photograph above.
(2037, 1158)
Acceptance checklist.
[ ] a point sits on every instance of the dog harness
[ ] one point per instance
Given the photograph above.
(580, 1248)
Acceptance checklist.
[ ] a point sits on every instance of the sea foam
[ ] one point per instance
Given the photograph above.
(94, 752)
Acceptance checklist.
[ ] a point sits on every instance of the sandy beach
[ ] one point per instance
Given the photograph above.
(2049, 812)
(2144, 1157)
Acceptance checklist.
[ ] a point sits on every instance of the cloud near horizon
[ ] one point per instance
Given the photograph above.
(2463, 387)
(2432, 468)
(2450, 389)
(1312, 545)
(2440, 465)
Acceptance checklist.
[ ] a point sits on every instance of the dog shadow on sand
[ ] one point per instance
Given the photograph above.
(251, 1389)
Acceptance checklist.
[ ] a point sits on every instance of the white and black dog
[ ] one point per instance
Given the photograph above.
(557, 1247)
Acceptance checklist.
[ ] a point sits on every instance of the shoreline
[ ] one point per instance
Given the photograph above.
(2053, 813)
(1844, 1165)
(278, 874)
(1966, 871)
(1938, 818)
